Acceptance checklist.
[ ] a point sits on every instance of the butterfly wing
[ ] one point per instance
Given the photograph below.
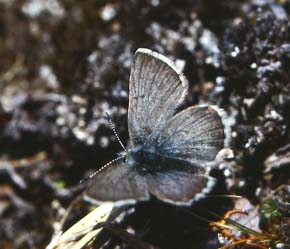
(156, 89)
(179, 187)
(195, 134)
(115, 183)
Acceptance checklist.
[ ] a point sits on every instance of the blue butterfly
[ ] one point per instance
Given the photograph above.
(167, 150)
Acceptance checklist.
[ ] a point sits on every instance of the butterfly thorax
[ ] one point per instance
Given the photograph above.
(144, 160)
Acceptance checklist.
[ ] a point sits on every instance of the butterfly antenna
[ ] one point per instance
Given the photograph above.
(102, 168)
(114, 131)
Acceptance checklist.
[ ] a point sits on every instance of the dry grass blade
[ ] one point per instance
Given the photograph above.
(83, 232)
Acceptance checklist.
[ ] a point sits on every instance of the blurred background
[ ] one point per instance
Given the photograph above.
(64, 63)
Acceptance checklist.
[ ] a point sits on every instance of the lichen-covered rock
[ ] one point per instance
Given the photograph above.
(255, 86)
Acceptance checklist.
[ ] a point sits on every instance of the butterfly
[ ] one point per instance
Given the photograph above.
(168, 149)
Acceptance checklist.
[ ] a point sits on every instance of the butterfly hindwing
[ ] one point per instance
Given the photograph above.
(117, 182)
(179, 187)
(156, 89)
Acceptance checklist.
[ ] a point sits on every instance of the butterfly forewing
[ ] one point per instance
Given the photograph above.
(117, 182)
(156, 90)
(195, 134)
